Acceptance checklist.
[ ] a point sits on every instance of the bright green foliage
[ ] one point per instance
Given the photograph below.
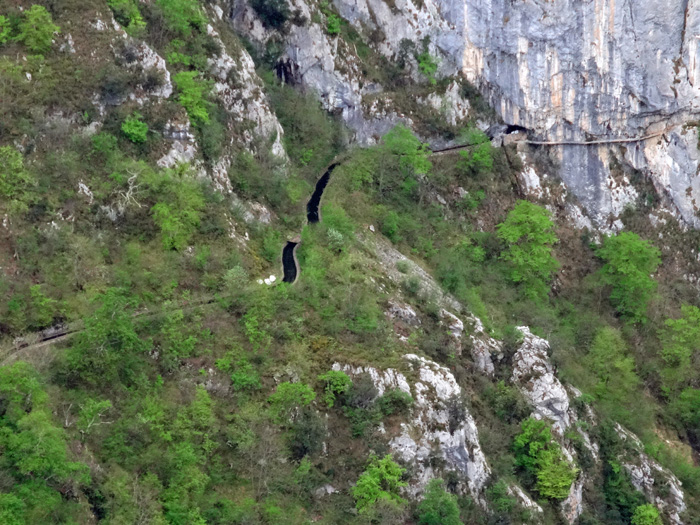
(135, 129)
(438, 506)
(337, 383)
(5, 29)
(680, 348)
(178, 211)
(192, 96)
(528, 233)
(646, 515)
(14, 178)
(36, 29)
(540, 456)
(428, 65)
(34, 456)
(43, 309)
(91, 413)
(614, 369)
(127, 13)
(479, 157)
(333, 24)
(629, 263)
(108, 351)
(381, 481)
(686, 409)
(414, 155)
(289, 397)
(181, 16)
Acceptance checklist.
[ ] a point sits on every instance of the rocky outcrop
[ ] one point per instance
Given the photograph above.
(431, 433)
(657, 484)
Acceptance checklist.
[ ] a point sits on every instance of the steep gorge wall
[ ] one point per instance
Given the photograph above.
(565, 69)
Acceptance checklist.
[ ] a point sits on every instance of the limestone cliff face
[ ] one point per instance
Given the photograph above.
(567, 70)
(596, 69)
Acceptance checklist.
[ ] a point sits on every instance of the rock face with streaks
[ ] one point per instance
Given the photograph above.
(429, 433)
(566, 70)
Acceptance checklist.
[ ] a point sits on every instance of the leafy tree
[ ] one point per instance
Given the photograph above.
(646, 515)
(192, 96)
(5, 30)
(438, 507)
(127, 13)
(685, 408)
(181, 16)
(381, 481)
(680, 348)
(614, 369)
(395, 401)
(109, 349)
(43, 309)
(414, 156)
(478, 158)
(528, 232)
(289, 397)
(39, 449)
(542, 458)
(337, 383)
(36, 29)
(91, 413)
(14, 178)
(135, 129)
(629, 262)
(181, 203)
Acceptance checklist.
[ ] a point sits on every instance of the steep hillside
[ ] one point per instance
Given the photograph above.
(374, 262)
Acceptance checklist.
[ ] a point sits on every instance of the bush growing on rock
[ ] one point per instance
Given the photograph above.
(381, 481)
(288, 397)
(337, 383)
(542, 459)
(135, 129)
(438, 506)
(646, 515)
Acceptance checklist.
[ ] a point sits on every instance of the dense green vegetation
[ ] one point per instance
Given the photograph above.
(191, 394)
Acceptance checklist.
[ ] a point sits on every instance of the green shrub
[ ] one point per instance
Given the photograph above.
(528, 232)
(646, 515)
(135, 129)
(614, 369)
(395, 401)
(5, 30)
(541, 457)
(438, 507)
(36, 29)
(333, 24)
(380, 481)
(427, 63)
(15, 180)
(288, 397)
(680, 346)
(479, 157)
(178, 211)
(273, 13)
(500, 499)
(629, 262)
(192, 94)
(181, 16)
(337, 383)
(127, 13)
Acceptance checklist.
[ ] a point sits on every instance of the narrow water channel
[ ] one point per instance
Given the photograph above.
(313, 213)
(290, 265)
(289, 262)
